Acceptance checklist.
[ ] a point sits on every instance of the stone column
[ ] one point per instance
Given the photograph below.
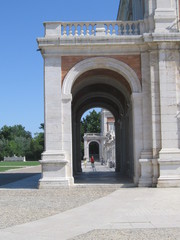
(86, 155)
(54, 161)
(100, 150)
(118, 133)
(156, 112)
(155, 103)
(137, 132)
(66, 119)
(169, 158)
(146, 154)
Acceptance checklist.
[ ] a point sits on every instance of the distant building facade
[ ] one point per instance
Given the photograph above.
(108, 131)
(129, 67)
(105, 140)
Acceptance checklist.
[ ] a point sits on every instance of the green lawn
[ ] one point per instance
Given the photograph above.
(20, 164)
(3, 169)
(4, 166)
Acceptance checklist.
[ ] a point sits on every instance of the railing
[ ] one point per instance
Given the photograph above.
(85, 29)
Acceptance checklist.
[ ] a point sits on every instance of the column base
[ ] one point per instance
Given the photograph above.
(168, 182)
(169, 164)
(145, 182)
(146, 169)
(54, 170)
(155, 172)
(55, 183)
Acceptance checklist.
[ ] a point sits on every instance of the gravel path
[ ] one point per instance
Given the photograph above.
(134, 234)
(21, 206)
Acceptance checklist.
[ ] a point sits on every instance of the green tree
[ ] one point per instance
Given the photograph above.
(8, 132)
(14, 140)
(37, 146)
(91, 123)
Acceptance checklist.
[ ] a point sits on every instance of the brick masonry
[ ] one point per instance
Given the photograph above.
(133, 61)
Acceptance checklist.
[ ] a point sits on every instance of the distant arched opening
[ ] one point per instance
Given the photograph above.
(94, 150)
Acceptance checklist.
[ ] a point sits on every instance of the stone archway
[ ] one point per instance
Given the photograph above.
(121, 79)
(88, 139)
(96, 82)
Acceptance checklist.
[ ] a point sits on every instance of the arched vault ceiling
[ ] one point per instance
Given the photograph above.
(103, 76)
(100, 95)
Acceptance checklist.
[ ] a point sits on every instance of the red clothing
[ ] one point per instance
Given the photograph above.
(92, 159)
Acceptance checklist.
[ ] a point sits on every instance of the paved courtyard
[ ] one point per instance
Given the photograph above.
(92, 212)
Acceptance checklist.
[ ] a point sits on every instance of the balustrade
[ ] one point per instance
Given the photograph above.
(85, 29)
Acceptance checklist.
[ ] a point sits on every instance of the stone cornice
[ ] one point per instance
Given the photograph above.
(83, 41)
(162, 37)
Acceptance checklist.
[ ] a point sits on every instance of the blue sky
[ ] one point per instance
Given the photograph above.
(21, 66)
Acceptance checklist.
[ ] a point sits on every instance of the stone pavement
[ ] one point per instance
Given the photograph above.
(102, 175)
(123, 209)
(126, 208)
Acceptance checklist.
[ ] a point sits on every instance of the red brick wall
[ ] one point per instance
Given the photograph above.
(133, 61)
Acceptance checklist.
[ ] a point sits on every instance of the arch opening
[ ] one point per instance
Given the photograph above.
(94, 150)
(101, 89)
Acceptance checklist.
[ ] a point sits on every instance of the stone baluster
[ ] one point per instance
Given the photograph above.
(113, 29)
(87, 29)
(70, 30)
(76, 30)
(130, 28)
(64, 30)
(124, 29)
(119, 29)
(82, 30)
(108, 32)
(93, 29)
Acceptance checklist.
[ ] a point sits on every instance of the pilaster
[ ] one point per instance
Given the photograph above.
(169, 158)
(146, 103)
(54, 159)
(137, 132)
(146, 155)
(146, 169)
(155, 101)
(165, 16)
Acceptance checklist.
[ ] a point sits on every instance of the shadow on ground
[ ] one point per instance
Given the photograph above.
(19, 180)
(102, 178)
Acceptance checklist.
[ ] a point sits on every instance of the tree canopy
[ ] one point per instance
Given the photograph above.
(91, 123)
(15, 140)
